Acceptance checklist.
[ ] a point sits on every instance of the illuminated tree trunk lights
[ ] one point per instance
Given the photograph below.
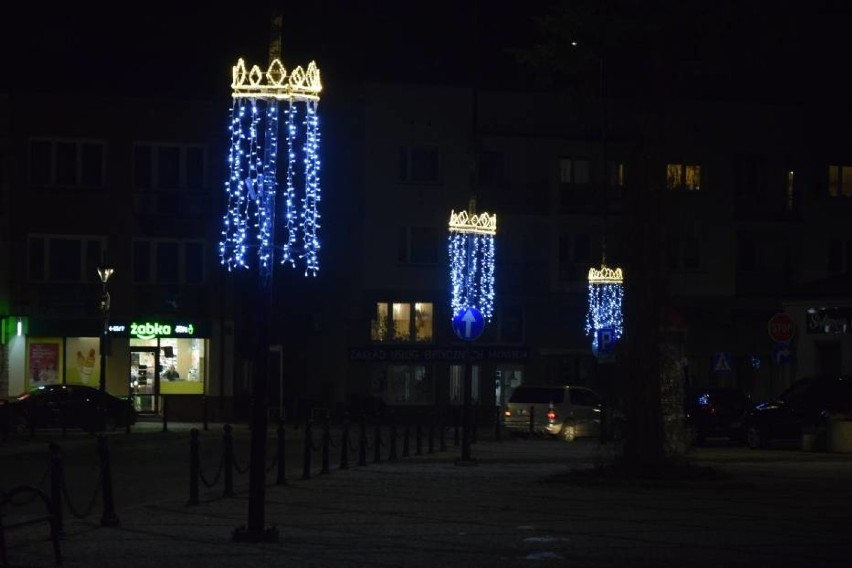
(472, 260)
(252, 187)
(606, 297)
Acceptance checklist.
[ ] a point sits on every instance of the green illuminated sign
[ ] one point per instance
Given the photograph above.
(152, 330)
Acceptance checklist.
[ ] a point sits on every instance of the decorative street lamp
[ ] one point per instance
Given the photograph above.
(471, 248)
(104, 273)
(259, 224)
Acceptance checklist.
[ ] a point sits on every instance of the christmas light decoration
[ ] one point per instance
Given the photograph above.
(471, 247)
(606, 298)
(252, 214)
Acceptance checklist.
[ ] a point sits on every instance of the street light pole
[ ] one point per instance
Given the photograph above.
(104, 273)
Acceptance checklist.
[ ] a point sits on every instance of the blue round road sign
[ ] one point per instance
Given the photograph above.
(468, 324)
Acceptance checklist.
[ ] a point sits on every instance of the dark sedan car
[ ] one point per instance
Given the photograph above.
(70, 406)
(715, 412)
(806, 404)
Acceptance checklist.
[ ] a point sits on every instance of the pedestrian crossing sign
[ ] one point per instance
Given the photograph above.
(721, 362)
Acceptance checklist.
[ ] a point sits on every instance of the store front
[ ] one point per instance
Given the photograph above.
(162, 358)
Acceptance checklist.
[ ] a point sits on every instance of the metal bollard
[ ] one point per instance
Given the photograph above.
(306, 453)
(475, 429)
(108, 518)
(344, 447)
(441, 437)
(362, 447)
(56, 476)
(392, 454)
(419, 441)
(204, 411)
(165, 413)
(228, 461)
(282, 470)
(456, 427)
(194, 467)
(431, 439)
(406, 435)
(326, 447)
(497, 420)
(377, 445)
(532, 420)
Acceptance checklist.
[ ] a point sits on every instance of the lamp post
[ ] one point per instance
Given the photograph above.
(272, 217)
(104, 273)
(471, 249)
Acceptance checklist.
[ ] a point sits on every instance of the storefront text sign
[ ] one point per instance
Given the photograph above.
(153, 329)
(830, 320)
(401, 354)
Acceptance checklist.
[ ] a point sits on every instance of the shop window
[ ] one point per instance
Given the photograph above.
(456, 393)
(575, 171)
(403, 322)
(409, 384)
(63, 258)
(66, 163)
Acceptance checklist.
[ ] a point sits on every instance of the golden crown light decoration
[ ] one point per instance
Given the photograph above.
(255, 211)
(471, 250)
(606, 298)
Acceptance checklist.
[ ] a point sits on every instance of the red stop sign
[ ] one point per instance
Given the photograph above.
(781, 328)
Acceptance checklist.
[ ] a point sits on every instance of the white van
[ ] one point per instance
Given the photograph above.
(566, 411)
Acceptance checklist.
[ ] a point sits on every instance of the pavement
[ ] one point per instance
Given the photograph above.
(516, 502)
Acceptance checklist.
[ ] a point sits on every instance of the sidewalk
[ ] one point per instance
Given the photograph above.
(507, 510)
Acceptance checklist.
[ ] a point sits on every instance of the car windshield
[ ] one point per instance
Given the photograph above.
(538, 395)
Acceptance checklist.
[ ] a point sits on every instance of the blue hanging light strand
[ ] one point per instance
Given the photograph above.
(290, 210)
(232, 247)
(605, 310)
(267, 184)
(310, 208)
(472, 272)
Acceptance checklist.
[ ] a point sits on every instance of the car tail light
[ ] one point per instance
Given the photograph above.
(551, 415)
(507, 413)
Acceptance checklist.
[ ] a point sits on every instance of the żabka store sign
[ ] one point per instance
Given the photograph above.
(153, 329)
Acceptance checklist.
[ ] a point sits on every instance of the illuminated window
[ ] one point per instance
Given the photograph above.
(840, 181)
(403, 322)
(683, 177)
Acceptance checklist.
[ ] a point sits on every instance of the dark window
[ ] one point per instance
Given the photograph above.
(581, 248)
(424, 245)
(168, 167)
(512, 325)
(36, 258)
(91, 163)
(93, 259)
(142, 166)
(418, 164)
(65, 261)
(40, 163)
(835, 255)
(195, 168)
(746, 254)
(491, 167)
(167, 262)
(194, 263)
(142, 261)
(66, 163)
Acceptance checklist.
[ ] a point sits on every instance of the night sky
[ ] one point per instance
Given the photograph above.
(777, 47)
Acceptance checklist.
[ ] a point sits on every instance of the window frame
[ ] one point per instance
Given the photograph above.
(182, 261)
(681, 184)
(382, 332)
(406, 164)
(87, 266)
(52, 166)
(183, 165)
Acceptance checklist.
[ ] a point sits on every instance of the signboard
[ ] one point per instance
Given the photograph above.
(426, 355)
(781, 354)
(721, 362)
(781, 328)
(154, 329)
(829, 320)
(468, 324)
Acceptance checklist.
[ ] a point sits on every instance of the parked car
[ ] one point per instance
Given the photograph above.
(806, 404)
(715, 412)
(566, 411)
(70, 406)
